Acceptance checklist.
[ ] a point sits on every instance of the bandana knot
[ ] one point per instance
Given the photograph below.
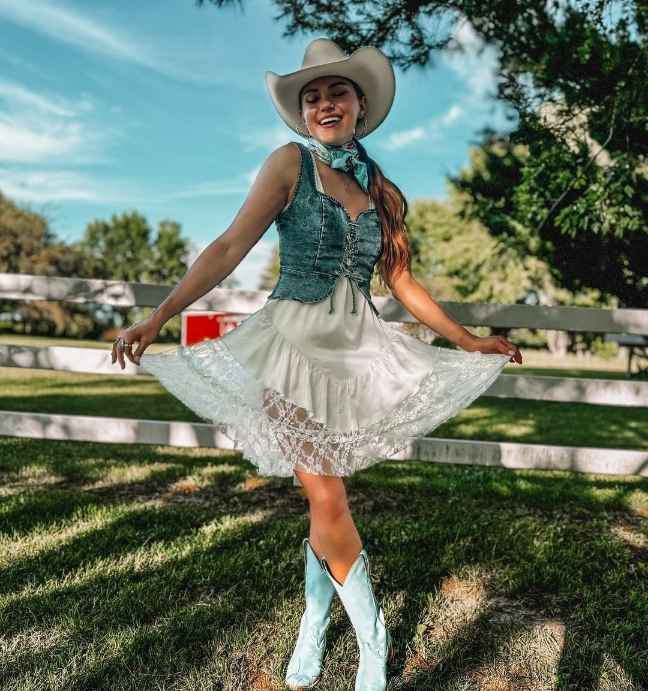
(344, 157)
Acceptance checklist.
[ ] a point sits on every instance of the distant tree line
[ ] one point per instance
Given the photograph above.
(123, 248)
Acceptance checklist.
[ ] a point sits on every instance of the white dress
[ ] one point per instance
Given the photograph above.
(297, 387)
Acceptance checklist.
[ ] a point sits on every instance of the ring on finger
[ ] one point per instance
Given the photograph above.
(121, 344)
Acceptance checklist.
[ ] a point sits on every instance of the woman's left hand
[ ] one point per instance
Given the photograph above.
(496, 344)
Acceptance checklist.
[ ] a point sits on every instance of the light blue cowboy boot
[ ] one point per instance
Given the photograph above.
(305, 664)
(368, 621)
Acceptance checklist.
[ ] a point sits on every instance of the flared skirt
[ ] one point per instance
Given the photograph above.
(296, 386)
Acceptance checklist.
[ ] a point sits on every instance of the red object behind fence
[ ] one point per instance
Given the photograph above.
(202, 326)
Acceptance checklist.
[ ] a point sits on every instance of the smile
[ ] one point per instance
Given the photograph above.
(331, 124)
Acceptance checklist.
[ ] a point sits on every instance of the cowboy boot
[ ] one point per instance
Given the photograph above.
(368, 621)
(305, 664)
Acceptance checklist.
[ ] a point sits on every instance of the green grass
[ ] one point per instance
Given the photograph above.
(576, 372)
(488, 419)
(137, 567)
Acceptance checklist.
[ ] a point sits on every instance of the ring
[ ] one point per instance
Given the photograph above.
(121, 344)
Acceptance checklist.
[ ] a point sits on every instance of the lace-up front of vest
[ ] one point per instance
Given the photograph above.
(319, 242)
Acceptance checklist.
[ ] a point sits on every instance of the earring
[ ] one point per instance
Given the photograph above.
(303, 134)
(363, 126)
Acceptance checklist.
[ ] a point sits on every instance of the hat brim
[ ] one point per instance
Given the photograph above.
(366, 66)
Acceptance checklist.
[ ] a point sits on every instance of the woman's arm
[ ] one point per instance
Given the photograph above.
(420, 304)
(418, 301)
(265, 200)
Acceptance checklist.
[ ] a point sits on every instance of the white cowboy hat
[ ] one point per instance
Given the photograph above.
(367, 66)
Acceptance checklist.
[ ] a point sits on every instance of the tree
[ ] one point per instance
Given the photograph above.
(598, 241)
(28, 245)
(460, 260)
(122, 249)
(119, 249)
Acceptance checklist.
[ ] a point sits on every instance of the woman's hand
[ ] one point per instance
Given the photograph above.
(495, 344)
(143, 332)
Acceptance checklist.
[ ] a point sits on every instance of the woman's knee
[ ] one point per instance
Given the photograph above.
(326, 494)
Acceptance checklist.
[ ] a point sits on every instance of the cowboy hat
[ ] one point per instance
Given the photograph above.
(367, 66)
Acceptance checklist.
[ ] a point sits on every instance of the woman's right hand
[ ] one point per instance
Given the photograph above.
(143, 332)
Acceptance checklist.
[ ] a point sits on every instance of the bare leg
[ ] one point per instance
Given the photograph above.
(333, 533)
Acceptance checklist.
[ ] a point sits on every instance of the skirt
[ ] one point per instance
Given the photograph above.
(296, 387)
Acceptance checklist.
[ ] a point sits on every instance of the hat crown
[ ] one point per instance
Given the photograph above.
(322, 51)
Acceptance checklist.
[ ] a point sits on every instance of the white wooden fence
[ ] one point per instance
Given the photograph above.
(512, 455)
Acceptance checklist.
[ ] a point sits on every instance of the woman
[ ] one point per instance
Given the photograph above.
(304, 387)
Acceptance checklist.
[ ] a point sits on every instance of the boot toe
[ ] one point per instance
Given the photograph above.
(300, 681)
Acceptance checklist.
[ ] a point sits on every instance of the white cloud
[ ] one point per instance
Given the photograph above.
(269, 138)
(12, 92)
(70, 26)
(40, 128)
(49, 185)
(433, 130)
(20, 143)
(219, 188)
(251, 176)
(452, 115)
(213, 188)
(478, 70)
(398, 140)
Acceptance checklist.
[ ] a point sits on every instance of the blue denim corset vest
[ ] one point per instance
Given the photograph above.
(319, 241)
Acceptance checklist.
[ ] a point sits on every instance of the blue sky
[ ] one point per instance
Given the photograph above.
(162, 107)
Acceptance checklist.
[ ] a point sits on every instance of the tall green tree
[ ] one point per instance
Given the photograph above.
(123, 249)
(119, 249)
(169, 257)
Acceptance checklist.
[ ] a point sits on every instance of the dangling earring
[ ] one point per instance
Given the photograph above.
(305, 135)
(363, 127)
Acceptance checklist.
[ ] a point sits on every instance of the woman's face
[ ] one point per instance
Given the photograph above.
(331, 96)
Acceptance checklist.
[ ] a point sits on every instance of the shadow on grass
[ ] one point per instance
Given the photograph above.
(205, 589)
(546, 545)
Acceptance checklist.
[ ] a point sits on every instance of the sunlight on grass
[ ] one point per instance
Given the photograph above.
(159, 567)
(139, 560)
(613, 677)
(630, 535)
(51, 537)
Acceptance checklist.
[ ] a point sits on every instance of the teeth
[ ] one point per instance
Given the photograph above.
(328, 120)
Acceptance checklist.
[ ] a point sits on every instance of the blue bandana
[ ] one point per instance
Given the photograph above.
(344, 157)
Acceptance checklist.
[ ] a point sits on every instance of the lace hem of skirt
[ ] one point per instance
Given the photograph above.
(279, 436)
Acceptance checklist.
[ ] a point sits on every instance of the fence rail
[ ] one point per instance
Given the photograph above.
(123, 294)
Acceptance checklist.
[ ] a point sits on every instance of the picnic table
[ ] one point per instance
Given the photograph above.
(637, 353)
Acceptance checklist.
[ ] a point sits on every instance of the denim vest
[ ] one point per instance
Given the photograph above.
(319, 241)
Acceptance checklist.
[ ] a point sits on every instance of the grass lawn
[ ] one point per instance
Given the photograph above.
(141, 567)
(150, 567)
